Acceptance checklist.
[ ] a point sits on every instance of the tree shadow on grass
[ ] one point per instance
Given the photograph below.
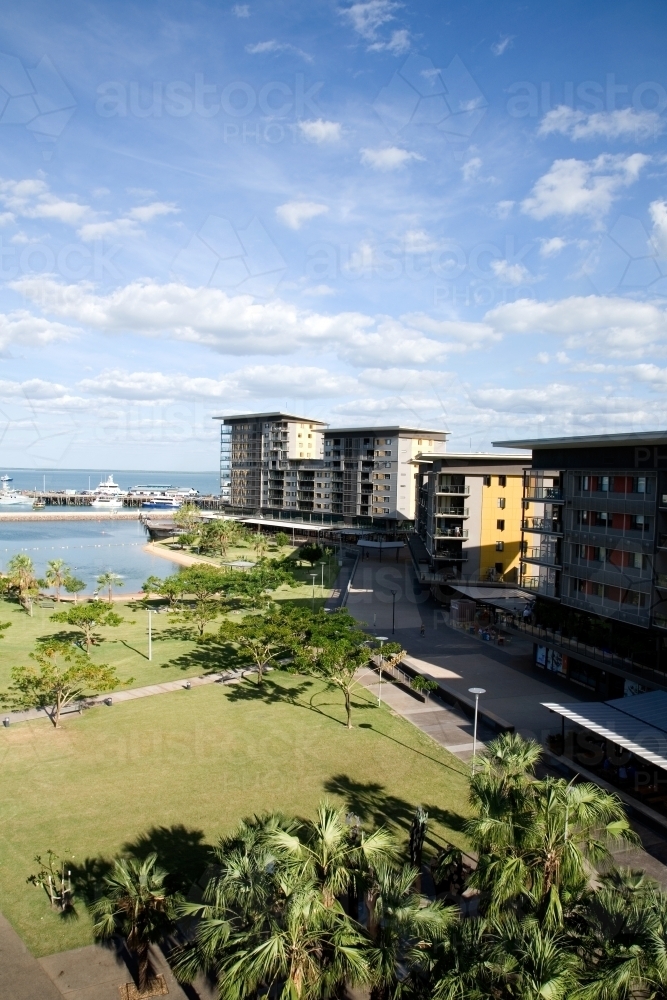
(77, 638)
(376, 806)
(270, 692)
(181, 851)
(88, 878)
(209, 657)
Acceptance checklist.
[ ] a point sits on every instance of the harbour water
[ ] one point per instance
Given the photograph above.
(92, 547)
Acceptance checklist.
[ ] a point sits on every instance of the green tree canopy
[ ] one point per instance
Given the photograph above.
(110, 580)
(311, 553)
(87, 618)
(57, 573)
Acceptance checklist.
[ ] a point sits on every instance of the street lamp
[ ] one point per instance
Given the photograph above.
(476, 692)
(382, 639)
(393, 611)
(150, 636)
(312, 576)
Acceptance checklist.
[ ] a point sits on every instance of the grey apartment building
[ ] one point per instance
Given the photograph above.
(594, 553)
(296, 467)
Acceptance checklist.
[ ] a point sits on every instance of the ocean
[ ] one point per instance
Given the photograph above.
(92, 547)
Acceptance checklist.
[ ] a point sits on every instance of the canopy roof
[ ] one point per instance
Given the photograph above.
(638, 723)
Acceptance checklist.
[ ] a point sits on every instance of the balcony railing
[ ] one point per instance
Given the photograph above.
(451, 555)
(545, 524)
(539, 586)
(543, 493)
(451, 532)
(547, 556)
(453, 490)
(453, 512)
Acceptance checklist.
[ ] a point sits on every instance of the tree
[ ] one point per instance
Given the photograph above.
(87, 618)
(203, 581)
(263, 639)
(151, 585)
(21, 578)
(216, 536)
(260, 545)
(311, 553)
(198, 615)
(57, 573)
(74, 586)
(110, 580)
(137, 905)
(188, 517)
(282, 540)
(336, 662)
(62, 674)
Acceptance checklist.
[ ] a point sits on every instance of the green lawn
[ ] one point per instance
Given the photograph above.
(174, 771)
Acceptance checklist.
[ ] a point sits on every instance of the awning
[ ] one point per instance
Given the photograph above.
(365, 544)
(491, 594)
(630, 731)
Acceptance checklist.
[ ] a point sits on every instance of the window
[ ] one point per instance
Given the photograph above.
(500, 546)
(501, 503)
(387, 440)
(500, 525)
(499, 569)
(502, 480)
(487, 480)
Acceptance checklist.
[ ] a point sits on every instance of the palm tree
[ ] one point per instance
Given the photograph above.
(137, 905)
(404, 928)
(21, 578)
(57, 573)
(109, 580)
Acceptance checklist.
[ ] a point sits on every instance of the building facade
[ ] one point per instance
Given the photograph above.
(281, 464)
(468, 515)
(594, 552)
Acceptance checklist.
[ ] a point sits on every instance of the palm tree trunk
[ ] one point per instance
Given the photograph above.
(348, 708)
(145, 971)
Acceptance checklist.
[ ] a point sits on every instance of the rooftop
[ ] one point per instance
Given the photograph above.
(388, 428)
(270, 416)
(586, 440)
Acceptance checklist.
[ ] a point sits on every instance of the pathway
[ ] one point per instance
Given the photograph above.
(21, 975)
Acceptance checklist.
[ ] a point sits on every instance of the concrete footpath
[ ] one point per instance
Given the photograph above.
(21, 975)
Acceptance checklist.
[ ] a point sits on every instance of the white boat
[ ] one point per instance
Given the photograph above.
(107, 488)
(10, 498)
(162, 503)
(6, 479)
(108, 503)
(150, 491)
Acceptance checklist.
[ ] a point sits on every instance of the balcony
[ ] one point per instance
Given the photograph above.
(543, 524)
(453, 512)
(451, 533)
(541, 556)
(450, 555)
(553, 493)
(539, 586)
(661, 581)
(453, 491)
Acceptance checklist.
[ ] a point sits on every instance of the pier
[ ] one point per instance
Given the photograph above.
(63, 499)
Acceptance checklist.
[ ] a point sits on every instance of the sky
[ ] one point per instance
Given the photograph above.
(444, 215)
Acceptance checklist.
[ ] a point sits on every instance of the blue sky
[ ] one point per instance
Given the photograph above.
(451, 215)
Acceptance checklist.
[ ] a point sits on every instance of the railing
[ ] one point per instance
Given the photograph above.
(452, 556)
(457, 490)
(543, 493)
(542, 524)
(453, 512)
(541, 555)
(592, 652)
(451, 532)
(540, 587)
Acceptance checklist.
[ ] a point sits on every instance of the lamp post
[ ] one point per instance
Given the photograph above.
(393, 612)
(150, 636)
(312, 576)
(476, 692)
(382, 639)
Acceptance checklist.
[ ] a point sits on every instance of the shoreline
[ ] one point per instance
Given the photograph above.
(84, 515)
(180, 558)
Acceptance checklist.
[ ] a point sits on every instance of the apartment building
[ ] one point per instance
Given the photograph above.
(594, 552)
(468, 514)
(370, 469)
(297, 467)
(256, 449)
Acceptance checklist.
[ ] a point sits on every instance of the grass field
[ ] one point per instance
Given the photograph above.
(126, 647)
(173, 772)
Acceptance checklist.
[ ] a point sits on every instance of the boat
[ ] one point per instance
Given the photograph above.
(38, 504)
(162, 503)
(158, 490)
(6, 479)
(10, 498)
(108, 503)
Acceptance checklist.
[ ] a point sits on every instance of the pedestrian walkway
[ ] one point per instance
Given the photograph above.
(21, 975)
(447, 726)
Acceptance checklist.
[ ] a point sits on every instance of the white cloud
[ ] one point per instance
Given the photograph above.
(552, 247)
(367, 17)
(658, 212)
(110, 229)
(398, 44)
(621, 123)
(21, 328)
(471, 169)
(146, 213)
(318, 291)
(321, 131)
(502, 45)
(603, 324)
(295, 213)
(503, 209)
(241, 10)
(32, 389)
(512, 274)
(387, 158)
(32, 199)
(583, 187)
(238, 325)
(272, 45)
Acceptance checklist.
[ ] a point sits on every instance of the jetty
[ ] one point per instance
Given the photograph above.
(66, 498)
